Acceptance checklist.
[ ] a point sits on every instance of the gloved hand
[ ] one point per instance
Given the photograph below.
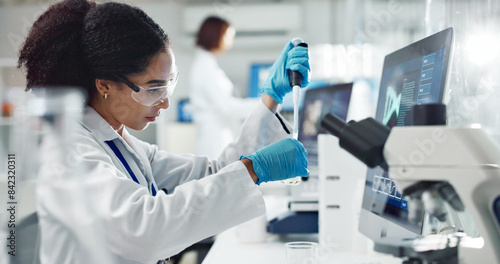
(281, 160)
(292, 58)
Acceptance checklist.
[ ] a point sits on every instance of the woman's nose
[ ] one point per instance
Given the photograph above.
(164, 103)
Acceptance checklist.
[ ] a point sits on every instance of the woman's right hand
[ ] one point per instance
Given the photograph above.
(281, 160)
(292, 58)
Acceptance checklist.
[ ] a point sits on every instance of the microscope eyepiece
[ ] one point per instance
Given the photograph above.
(333, 124)
(365, 139)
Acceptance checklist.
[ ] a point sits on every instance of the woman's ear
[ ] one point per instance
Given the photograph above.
(103, 86)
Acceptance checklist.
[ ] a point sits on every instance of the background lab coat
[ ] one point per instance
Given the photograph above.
(205, 196)
(216, 112)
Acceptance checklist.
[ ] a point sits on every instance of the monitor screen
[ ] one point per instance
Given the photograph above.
(258, 75)
(317, 103)
(412, 75)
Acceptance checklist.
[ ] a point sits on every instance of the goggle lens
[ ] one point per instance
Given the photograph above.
(150, 96)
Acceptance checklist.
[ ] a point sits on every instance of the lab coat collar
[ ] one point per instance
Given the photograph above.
(97, 125)
(206, 54)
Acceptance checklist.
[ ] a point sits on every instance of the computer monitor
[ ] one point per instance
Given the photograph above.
(317, 103)
(415, 74)
(257, 77)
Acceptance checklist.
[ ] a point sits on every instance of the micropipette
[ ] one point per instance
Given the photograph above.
(296, 100)
(295, 82)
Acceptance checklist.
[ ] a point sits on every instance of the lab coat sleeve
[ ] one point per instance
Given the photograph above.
(261, 128)
(171, 170)
(145, 228)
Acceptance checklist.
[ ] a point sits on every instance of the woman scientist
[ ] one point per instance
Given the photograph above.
(152, 204)
(215, 109)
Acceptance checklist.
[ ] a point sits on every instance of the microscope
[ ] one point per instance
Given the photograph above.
(434, 165)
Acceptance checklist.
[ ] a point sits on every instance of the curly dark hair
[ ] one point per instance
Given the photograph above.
(76, 41)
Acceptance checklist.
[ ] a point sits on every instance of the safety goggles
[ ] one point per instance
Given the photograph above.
(151, 96)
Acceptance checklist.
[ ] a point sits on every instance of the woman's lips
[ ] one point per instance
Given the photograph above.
(151, 118)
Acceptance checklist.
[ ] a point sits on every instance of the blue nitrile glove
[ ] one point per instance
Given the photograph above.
(292, 58)
(281, 160)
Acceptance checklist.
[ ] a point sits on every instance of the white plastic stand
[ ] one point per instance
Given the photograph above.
(341, 186)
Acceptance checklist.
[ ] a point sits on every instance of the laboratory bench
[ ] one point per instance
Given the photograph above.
(249, 243)
(227, 249)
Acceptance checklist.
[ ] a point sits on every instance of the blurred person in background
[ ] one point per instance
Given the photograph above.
(216, 110)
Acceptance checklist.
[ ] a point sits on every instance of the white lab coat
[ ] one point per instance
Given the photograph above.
(215, 109)
(106, 217)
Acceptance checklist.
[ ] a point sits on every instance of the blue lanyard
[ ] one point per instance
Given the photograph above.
(119, 155)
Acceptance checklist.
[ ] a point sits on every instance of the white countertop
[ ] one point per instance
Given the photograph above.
(227, 249)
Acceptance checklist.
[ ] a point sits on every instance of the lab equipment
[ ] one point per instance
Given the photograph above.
(414, 75)
(281, 160)
(421, 157)
(296, 83)
(302, 216)
(291, 58)
(301, 252)
(295, 221)
(341, 186)
(331, 98)
(296, 100)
